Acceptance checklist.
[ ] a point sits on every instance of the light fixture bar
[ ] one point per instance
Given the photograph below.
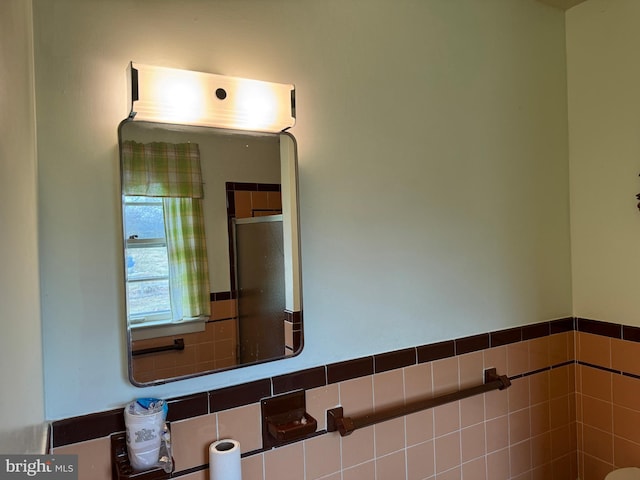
(169, 95)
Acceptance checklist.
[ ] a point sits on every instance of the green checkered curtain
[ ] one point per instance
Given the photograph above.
(186, 246)
(172, 171)
(161, 169)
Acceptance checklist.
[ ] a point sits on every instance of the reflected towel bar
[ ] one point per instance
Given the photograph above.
(336, 421)
(178, 344)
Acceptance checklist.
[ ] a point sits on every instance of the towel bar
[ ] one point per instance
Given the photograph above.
(178, 344)
(336, 421)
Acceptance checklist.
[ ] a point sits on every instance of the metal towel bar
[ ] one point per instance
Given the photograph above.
(178, 344)
(336, 421)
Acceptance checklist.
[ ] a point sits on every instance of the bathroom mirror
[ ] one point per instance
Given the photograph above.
(211, 249)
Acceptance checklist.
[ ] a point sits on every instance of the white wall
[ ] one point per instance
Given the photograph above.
(604, 131)
(21, 395)
(433, 169)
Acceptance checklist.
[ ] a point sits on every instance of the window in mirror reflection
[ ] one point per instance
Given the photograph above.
(163, 192)
(147, 265)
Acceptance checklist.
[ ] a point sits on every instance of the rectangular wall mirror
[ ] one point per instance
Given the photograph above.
(211, 249)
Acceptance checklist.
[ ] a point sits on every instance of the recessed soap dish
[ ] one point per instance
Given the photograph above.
(284, 419)
(291, 425)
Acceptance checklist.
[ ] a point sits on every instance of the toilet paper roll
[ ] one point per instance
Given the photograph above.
(224, 460)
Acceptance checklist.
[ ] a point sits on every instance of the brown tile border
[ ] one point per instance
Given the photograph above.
(529, 332)
(349, 369)
(631, 333)
(605, 329)
(562, 325)
(436, 351)
(505, 337)
(188, 406)
(384, 362)
(87, 427)
(472, 344)
(295, 318)
(303, 379)
(252, 187)
(607, 369)
(219, 296)
(239, 395)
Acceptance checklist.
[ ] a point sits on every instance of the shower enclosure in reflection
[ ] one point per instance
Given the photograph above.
(259, 259)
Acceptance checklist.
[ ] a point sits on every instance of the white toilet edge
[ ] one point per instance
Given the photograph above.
(628, 473)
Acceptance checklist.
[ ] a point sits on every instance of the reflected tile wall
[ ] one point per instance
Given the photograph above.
(213, 348)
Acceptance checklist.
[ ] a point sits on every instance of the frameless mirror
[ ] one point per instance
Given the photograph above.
(211, 249)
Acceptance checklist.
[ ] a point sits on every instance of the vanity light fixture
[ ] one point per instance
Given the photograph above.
(169, 95)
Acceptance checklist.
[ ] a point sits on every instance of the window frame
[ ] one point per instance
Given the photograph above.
(133, 242)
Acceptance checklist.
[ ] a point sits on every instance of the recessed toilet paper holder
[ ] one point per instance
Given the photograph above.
(285, 418)
(121, 468)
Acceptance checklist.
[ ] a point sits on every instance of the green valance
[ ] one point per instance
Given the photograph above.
(161, 169)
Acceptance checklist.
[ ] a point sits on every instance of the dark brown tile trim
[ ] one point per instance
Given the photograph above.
(294, 317)
(218, 296)
(88, 427)
(436, 351)
(188, 406)
(599, 367)
(349, 369)
(304, 379)
(631, 333)
(252, 187)
(384, 362)
(544, 369)
(239, 395)
(597, 327)
(505, 337)
(562, 325)
(529, 332)
(609, 370)
(472, 344)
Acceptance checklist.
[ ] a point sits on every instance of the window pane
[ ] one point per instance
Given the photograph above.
(145, 221)
(147, 262)
(150, 296)
(139, 199)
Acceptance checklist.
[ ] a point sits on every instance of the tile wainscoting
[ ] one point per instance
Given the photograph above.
(214, 348)
(570, 411)
(608, 398)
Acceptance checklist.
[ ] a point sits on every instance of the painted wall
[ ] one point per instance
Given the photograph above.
(438, 127)
(21, 398)
(604, 100)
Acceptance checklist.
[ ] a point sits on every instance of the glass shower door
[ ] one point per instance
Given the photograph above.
(261, 287)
